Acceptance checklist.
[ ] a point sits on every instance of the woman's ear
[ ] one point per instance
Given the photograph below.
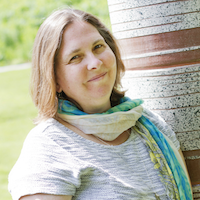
(58, 88)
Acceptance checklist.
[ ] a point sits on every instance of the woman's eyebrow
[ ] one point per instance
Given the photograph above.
(66, 55)
(74, 51)
(97, 41)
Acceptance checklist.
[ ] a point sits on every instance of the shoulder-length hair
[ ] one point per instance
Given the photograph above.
(45, 50)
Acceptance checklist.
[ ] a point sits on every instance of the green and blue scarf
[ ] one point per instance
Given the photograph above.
(161, 153)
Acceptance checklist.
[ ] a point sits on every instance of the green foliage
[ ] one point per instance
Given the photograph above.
(20, 20)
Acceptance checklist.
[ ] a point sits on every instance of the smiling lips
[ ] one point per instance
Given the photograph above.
(97, 77)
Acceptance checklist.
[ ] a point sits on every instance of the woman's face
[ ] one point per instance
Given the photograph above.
(86, 67)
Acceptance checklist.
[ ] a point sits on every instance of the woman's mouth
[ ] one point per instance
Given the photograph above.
(98, 77)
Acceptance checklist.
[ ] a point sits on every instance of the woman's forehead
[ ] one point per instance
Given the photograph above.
(78, 28)
(78, 34)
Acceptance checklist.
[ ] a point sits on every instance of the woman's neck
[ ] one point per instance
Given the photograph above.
(92, 109)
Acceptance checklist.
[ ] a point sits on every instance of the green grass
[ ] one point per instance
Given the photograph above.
(16, 114)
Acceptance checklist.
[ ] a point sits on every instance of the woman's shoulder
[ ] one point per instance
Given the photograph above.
(46, 126)
(160, 123)
(50, 128)
(155, 119)
(46, 138)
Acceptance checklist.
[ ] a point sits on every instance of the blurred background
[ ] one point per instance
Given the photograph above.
(19, 22)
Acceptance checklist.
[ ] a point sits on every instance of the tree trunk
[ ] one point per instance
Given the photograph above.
(160, 46)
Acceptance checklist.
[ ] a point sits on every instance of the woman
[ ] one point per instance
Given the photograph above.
(91, 142)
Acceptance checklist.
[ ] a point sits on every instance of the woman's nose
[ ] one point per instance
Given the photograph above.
(93, 62)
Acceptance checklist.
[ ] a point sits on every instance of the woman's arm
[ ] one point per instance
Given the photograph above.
(46, 197)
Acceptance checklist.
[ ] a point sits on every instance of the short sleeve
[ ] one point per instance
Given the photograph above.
(43, 167)
(162, 126)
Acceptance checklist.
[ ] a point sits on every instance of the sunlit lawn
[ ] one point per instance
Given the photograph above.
(16, 114)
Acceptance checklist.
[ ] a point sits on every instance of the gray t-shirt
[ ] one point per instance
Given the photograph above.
(55, 160)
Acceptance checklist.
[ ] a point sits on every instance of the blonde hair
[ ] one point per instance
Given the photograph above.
(45, 50)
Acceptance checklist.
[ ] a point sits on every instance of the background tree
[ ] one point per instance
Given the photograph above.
(20, 20)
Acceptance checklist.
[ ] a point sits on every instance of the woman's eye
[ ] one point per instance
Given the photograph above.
(98, 46)
(74, 57)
